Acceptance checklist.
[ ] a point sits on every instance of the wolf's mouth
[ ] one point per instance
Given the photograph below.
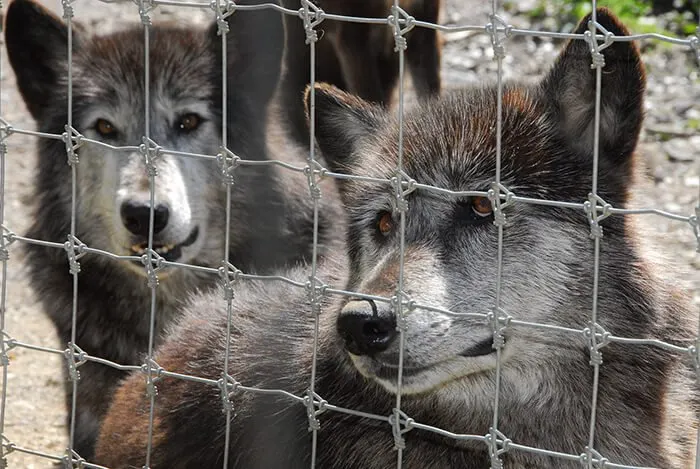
(389, 371)
(168, 251)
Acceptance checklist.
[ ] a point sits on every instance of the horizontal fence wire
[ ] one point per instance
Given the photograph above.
(311, 16)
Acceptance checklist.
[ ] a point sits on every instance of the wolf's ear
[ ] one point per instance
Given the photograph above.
(255, 45)
(342, 122)
(37, 46)
(570, 87)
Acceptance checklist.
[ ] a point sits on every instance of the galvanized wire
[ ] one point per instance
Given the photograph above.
(399, 186)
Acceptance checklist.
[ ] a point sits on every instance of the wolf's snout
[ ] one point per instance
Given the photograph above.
(136, 215)
(366, 328)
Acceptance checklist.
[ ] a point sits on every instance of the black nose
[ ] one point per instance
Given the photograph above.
(135, 216)
(366, 329)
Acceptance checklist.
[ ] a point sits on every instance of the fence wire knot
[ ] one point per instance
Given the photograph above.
(394, 20)
(592, 206)
(695, 43)
(316, 290)
(592, 333)
(499, 320)
(72, 460)
(5, 131)
(75, 357)
(315, 406)
(229, 275)
(398, 419)
(313, 177)
(75, 249)
(145, 8)
(154, 373)
(498, 444)
(222, 12)
(67, 9)
(153, 263)
(496, 26)
(9, 343)
(402, 304)
(500, 198)
(694, 221)
(228, 387)
(68, 137)
(597, 58)
(8, 237)
(308, 11)
(403, 185)
(694, 353)
(228, 162)
(592, 458)
(150, 151)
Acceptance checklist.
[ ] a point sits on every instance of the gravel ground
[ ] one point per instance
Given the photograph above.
(35, 414)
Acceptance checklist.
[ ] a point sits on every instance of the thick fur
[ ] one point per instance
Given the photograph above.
(646, 405)
(359, 58)
(271, 210)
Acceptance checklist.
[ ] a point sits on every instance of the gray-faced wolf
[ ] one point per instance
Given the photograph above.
(359, 58)
(271, 212)
(646, 401)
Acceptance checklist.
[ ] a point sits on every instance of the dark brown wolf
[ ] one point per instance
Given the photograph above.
(646, 401)
(360, 58)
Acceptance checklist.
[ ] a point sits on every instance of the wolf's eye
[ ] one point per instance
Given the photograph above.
(482, 206)
(385, 223)
(188, 122)
(105, 128)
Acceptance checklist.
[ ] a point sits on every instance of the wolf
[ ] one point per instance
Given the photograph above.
(646, 410)
(271, 211)
(359, 58)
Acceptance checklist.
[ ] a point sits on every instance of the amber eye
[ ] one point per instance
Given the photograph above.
(188, 122)
(105, 128)
(385, 223)
(482, 206)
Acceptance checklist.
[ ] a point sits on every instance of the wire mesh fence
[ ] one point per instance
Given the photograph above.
(400, 22)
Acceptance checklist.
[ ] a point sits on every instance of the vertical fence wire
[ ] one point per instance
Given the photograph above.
(223, 30)
(696, 228)
(597, 63)
(149, 153)
(315, 194)
(4, 358)
(72, 256)
(499, 54)
(401, 205)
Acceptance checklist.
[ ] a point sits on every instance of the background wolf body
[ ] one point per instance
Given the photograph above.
(359, 58)
(646, 408)
(271, 212)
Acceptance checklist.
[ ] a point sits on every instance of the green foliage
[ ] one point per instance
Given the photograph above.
(636, 14)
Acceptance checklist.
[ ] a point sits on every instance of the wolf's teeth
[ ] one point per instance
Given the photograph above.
(165, 249)
(141, 249)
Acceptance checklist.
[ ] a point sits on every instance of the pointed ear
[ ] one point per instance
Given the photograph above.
(571, 89)
(37, 47)
(255, 45)
(342, 123)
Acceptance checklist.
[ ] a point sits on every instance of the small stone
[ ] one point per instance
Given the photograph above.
(681, 149)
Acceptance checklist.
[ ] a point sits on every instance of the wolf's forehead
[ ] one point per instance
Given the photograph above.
(180, 65)
(454, 144)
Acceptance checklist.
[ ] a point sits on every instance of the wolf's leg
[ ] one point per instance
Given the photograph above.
(358, 61)
(424, 50)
